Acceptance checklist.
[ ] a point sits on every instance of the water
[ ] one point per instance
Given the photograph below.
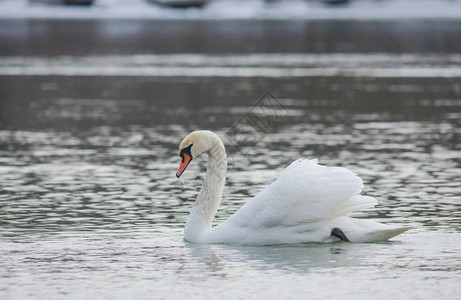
(90, 206)
(153, 264)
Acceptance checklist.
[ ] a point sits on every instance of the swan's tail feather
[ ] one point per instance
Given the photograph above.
(386, 234)
(362, 230)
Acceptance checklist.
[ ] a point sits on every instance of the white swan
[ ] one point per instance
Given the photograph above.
(307, 203)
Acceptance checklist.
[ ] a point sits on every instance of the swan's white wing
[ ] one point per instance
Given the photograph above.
(305, 195)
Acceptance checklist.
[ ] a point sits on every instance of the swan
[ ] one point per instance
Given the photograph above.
(307, 203)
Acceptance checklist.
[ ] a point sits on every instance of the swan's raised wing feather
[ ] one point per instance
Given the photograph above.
(304, 193)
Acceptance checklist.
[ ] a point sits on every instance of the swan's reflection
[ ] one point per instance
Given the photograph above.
(299, 258)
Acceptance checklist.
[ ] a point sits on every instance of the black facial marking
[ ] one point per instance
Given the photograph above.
(339, 234)
(187, 151)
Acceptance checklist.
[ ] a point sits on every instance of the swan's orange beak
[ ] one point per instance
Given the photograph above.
(186, 159)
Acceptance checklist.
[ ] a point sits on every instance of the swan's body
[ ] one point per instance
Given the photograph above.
(307, 203)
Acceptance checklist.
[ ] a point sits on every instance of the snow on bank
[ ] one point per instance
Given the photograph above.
(239, 10)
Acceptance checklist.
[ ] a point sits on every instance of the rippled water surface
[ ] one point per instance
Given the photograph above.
(90, 206)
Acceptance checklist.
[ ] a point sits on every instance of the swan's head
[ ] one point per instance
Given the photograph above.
(193, 145)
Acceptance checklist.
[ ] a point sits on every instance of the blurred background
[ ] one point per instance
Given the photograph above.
(231, 9)
(95, 97)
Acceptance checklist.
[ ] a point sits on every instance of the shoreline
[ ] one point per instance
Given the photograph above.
(122, 37)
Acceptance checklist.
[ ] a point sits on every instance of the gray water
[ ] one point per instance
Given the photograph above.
(90, 206)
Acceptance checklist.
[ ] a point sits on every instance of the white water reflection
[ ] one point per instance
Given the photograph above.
(249, 65)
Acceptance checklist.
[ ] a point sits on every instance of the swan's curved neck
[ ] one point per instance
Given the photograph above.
(209, 198)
